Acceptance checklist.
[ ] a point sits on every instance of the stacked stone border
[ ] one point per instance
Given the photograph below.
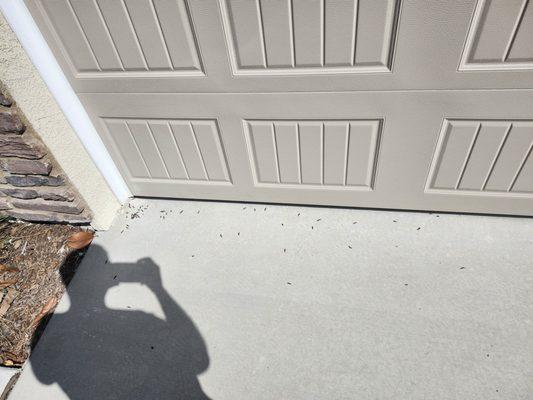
(32, 185)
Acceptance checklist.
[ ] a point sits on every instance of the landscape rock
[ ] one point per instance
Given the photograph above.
(10, 123)
(49, 205)
(83, 218)
(30, 180)
(15, 146)
(19, 193)
(57, 195)
(26, 167)
(5, 101)
(4, 204)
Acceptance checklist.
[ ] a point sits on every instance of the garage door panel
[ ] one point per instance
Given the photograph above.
(122, 139)
(111, 39)
(246, 33)
(322, 153)
(121, 31)
(361, 158)
(375, 32)
(169, 149)
(263, 151)
(311, 152)
(60, 15)
(522, 47)
(150, 153)
(288, 36)
(512, 157)
(484, 152)
(308, 33)
(404, 149)
(340, 32)
(524, 181)
(499, 37)
(154, 150)
(89, 16)
(482, 156)
(493, 30)
(288, 150)
(196, 46)
(335, 144)
(212, 154)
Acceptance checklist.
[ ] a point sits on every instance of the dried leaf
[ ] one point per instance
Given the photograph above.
(79, 240)
(10, 359)
(5, 268)
(7, 283)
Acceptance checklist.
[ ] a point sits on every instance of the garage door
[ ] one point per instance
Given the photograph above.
(412, 104)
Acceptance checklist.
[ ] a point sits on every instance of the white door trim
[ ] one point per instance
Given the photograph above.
(22, 23)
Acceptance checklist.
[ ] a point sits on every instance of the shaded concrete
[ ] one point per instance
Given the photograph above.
(199, 300)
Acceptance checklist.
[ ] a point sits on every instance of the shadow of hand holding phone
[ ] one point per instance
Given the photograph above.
(94, 352)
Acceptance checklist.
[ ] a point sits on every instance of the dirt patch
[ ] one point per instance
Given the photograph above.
(35, 261)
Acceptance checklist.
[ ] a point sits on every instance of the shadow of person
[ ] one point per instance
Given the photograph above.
(94, 352)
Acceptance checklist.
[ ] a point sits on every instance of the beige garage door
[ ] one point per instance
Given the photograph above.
(414, 104)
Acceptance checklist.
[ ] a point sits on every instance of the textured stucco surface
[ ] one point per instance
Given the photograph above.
(31, 94)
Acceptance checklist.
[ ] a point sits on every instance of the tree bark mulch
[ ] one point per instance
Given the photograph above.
(36, 262)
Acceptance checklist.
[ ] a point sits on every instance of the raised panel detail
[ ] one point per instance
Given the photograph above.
(183, 150)
(500, 36)
(487, 157)
(124, 37)
(325, 154)
(310, 36)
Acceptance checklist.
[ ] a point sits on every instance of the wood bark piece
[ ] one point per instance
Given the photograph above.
(7, 300)
(6, 268)
(8, 282)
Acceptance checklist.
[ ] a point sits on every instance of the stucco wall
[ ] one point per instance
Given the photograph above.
(26, 87)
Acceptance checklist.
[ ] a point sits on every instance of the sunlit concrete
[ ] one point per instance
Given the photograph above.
(199, 300)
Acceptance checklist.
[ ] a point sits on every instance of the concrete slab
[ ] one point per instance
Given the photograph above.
(197, 300)
(6, 380)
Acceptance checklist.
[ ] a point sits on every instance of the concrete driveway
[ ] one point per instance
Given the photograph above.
(198, 300)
